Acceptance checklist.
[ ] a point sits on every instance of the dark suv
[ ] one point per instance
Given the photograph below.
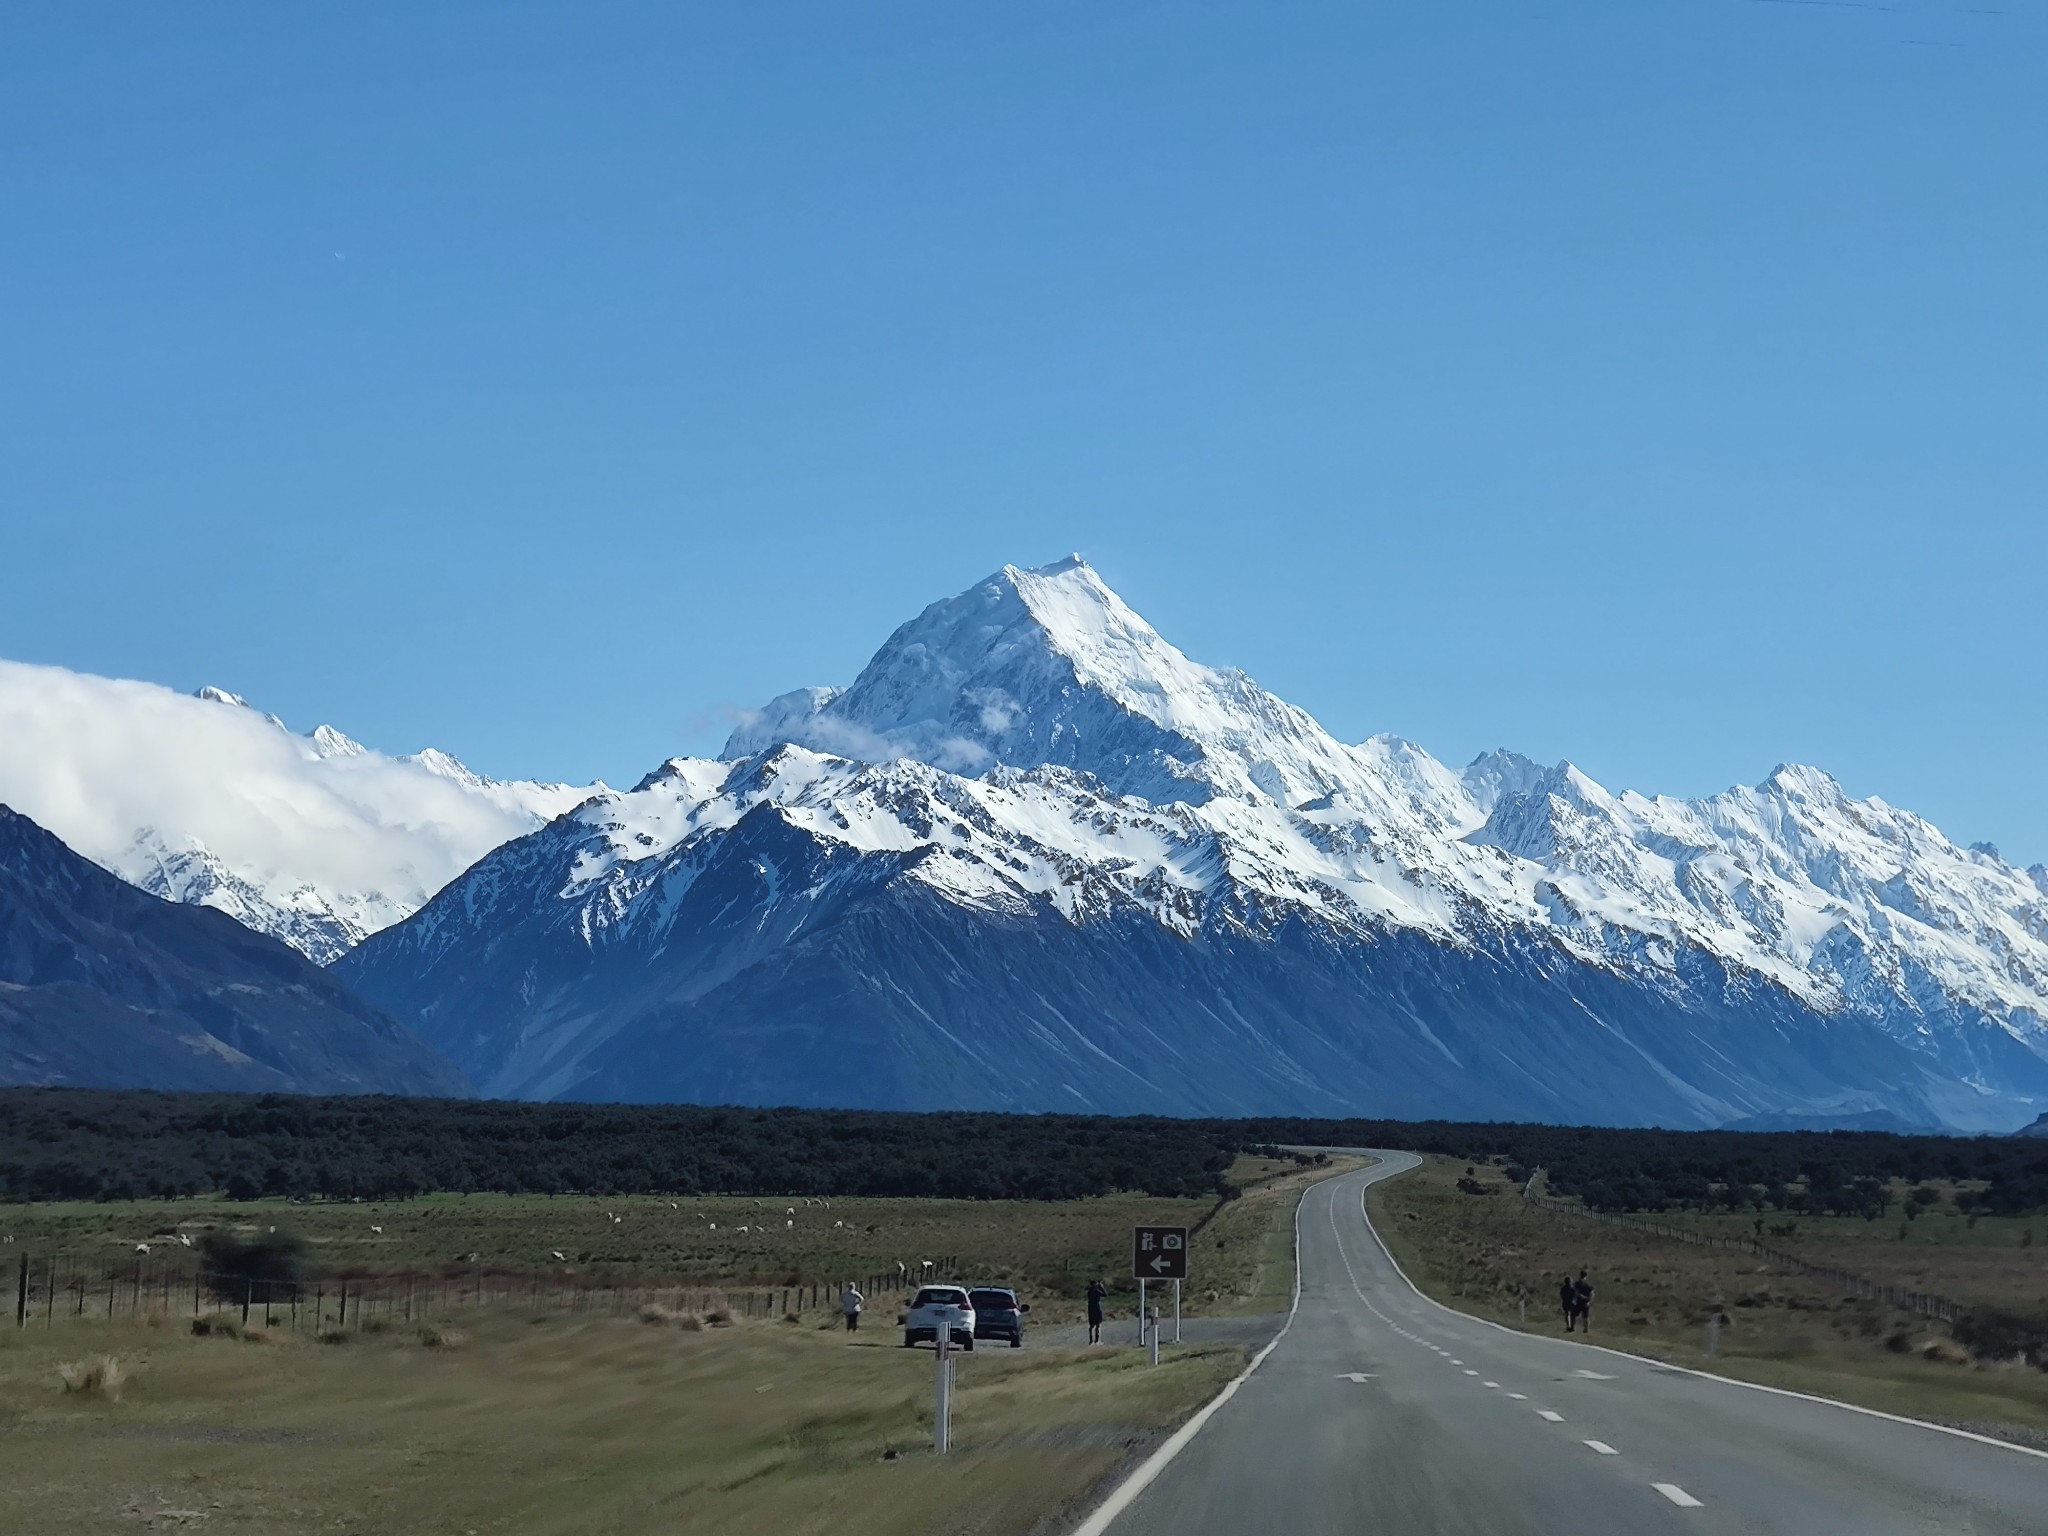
(997, 1315)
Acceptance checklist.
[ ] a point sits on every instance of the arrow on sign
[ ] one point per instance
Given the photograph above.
(1161, 1262)
(1357, 1375)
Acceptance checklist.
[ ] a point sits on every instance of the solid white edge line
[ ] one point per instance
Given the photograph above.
(1622, 1354)
(1121, 1496)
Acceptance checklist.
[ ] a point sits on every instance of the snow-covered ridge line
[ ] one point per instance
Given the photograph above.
(1847, 903)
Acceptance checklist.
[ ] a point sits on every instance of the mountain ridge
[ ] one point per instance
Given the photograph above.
(1031, 751)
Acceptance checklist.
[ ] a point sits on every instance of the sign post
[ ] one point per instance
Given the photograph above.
(1158, 1253)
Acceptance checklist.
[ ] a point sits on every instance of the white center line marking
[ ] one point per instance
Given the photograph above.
(1603, 1448)
(1593, 1376)
(1520, 1397)
(1545, 1413)
(1457, 1362)
(1677, 1495)
(1471, 1373)
(1493, 1384)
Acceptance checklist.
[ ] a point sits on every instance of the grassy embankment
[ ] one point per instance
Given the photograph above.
(532, 1422)
(1482, 1253)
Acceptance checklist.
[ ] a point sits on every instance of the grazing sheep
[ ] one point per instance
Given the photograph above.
(714, 1226)
(378, 1230)
(184, 1238)
(789, 1223)
(142, 1247)
(559, 1257)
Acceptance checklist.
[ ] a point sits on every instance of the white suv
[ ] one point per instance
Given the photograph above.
(933, 1306)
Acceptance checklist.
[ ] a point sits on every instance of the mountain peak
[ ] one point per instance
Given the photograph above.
(1047, 666)
(214, 695)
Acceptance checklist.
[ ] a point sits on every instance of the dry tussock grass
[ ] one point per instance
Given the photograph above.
(655, 1315)
(433, 1337)
(101, 1377)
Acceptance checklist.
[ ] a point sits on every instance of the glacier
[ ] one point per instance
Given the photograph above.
(1035, 857)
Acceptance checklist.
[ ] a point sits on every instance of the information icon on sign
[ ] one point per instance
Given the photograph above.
(1159, 1253)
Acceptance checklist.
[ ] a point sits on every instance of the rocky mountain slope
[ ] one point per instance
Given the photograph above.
(312, 839)
(103, 985)
(1035, 857)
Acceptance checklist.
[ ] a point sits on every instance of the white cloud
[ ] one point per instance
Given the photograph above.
(99, 760)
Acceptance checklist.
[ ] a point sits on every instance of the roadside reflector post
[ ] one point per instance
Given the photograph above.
(942, 1384)
(1142, 1313)
(1714, 1336)
(1176, 1311)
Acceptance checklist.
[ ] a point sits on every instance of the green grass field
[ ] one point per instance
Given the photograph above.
(1485, 1254)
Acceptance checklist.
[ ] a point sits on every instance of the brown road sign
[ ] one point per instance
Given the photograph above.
(1159, 1253)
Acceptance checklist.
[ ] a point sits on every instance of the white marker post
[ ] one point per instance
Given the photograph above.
(1176, 1311)
(1152, 1329)
(1141, 1312)
(942, 1385)
(1714, 1336)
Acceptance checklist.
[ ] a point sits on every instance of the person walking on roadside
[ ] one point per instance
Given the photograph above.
(1582, 1297)
(1097, 1294)
(1568, 1300)
(850, 1302)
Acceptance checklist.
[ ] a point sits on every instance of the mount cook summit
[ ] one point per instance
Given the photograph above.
(1033, 857)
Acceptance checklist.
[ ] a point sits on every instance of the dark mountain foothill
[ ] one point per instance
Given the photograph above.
(104, 985)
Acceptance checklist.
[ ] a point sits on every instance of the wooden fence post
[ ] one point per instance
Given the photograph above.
(21, 1296)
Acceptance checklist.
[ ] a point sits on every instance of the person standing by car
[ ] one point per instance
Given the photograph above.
(850, 1302)
(1097, 1294)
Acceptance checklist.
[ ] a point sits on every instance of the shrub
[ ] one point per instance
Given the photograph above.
(216, 1327)
(267, 1268)
(1990, 1334)
(442, 1338)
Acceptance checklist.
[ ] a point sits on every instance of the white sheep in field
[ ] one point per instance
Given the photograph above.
(142, 1247)
(672, 1205)
(789, 1223)
(714, 1226)
(185, 1239)
(789, 1210)
(558, 1256)
(746, 1229)
(378, 1230)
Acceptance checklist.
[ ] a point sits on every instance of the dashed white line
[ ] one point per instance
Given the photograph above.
(1677, 1495)
(1457, 1362)
(1545, 1413)
(1520, 1397)
(1603, 1447)
(1471, 1373)
(1493, 1384)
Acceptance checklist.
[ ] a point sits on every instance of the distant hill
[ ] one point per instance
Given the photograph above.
(2038, 1128)
(103, 985)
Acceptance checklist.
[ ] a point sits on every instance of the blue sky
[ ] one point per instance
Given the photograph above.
(1660, 385)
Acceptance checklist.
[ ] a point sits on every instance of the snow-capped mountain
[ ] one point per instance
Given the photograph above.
(312, 839)
(1034, 856)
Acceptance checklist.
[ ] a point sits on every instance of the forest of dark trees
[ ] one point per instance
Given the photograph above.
(91, 1144)
(94, 1144)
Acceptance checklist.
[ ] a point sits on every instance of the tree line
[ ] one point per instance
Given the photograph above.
(95, 1144)
(99, 1144)
(1635, 1169)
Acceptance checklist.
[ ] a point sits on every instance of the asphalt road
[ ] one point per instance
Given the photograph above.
(1459, 1427)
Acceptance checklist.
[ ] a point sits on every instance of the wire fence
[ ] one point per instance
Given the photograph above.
(51, 1289)
(1941, 1307)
